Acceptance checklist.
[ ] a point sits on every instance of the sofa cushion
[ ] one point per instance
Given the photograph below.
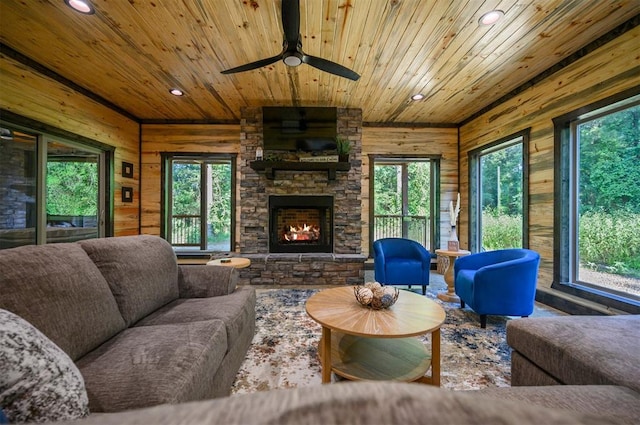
(368, 402)
(38, 381)
(616, 402)
(200, 281)
(581, 350)
(142, 272)
(150, 365)
(59, 290)
(235, 310)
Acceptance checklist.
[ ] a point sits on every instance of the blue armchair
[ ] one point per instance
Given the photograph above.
(399, 261)
(501, 282)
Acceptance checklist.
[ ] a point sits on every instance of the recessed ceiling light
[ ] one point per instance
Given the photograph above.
(82, 6)
(418, 96)
(176, 92)
(491, 18)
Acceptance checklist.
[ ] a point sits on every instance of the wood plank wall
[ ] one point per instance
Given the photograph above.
(408, 142)
(182, 138)
(37, 97)
(607, 71)
(214, 138)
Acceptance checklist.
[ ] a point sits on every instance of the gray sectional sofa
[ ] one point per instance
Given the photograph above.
(148, 335)
(141, 329)
(587, 364)
(366, 403)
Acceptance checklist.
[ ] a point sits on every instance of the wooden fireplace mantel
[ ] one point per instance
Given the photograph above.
(270, 167)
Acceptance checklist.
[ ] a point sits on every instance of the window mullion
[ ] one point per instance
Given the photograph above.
(204, 184)
(41, 190)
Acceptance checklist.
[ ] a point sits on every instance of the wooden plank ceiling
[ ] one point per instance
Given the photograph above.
(131, 52)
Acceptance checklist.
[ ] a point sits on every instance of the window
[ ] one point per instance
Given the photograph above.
(404, 199)
(599, 207)
(51, 189)
(199, 202)
(497, 206)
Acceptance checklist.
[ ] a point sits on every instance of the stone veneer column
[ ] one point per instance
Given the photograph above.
(255, 189)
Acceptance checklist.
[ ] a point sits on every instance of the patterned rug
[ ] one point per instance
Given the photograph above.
(284, 352)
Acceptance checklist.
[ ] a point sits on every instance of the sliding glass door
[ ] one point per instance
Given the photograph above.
(404, 199)
(52, 190)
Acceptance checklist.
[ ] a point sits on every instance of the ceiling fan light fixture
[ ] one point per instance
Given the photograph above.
(6, 134)
(81, 6)
(418, 96)
(491, 17)
(176, 92)
(292, 59)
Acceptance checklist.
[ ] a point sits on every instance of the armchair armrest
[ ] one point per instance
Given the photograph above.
(475, 261)
(201, 281)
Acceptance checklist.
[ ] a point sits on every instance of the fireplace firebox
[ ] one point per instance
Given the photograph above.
(299, 224)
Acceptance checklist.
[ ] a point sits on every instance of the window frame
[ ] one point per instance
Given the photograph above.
(166, 196)
(43, 134)
(434, 231)
(475, 210)
(565, 189)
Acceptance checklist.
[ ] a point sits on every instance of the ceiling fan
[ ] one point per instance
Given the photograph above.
(292, 54)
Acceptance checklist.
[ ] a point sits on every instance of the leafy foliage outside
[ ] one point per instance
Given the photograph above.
(501, 181)
(187, 201)
(610, 163)
(388, 185)
(388, 200)
(72, 188)
(609, 192)
(500, 231)
(611, 242)
(601, 249)
(220, 206)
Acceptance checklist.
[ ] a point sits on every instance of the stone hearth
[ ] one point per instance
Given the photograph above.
(345, 265)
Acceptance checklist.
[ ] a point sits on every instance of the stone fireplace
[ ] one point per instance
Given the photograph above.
(300, 224)
(328, 251)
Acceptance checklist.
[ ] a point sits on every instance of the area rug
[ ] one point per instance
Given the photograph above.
(284, 351)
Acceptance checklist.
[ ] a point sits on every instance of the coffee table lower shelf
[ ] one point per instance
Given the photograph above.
(375, 359)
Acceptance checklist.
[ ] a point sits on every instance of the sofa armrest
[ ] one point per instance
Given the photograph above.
(201, 281)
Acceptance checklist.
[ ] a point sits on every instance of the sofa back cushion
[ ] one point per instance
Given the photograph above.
(142, 272)
(59, 290)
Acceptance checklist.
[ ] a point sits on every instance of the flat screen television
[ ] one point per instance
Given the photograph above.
(308, 129)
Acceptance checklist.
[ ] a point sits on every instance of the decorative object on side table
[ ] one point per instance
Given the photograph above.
(453, 244)
(375, 295)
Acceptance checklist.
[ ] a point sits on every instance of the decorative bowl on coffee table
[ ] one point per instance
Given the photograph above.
(375, 295)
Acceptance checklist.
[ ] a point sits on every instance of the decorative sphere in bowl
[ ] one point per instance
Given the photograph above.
(375, 295)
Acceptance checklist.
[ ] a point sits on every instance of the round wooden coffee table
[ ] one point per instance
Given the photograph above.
(360, 343)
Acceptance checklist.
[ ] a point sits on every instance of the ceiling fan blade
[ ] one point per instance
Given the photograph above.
(253, 65)
(291, 21)
(330, 67)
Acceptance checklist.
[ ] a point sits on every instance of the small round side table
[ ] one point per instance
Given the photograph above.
(450, 296)
(237, 262)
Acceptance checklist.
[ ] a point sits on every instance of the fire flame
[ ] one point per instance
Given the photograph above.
(304, 232)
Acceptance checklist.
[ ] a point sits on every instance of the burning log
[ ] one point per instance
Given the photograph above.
(303, 233)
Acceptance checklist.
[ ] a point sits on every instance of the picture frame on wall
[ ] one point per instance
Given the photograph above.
(127, 194)
(127, 169)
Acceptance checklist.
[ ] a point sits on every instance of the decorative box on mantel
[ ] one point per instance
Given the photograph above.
(270, 167)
